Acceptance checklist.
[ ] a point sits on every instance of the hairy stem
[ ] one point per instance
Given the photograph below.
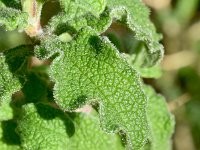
(33, 8)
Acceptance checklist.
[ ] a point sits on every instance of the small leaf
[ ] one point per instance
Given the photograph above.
(9, 84)
(11, 18)
(90, 67)
(161, 122)
(58, 131)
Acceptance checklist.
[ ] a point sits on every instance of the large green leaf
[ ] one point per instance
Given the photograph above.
(132, 13)
(58, 131)
(89, 68)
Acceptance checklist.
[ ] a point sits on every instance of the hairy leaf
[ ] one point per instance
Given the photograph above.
(11, 18)
(8, 85)
(90, 67)
(76, 8)
(132, 49)
(136, 60)
(88, 135)
(137, 18)
(6, 111)
(132, 13)
(76, 13)
(58, 131)
(43, 123)
(161, 122)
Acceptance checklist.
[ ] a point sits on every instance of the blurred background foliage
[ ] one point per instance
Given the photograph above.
(179, 23)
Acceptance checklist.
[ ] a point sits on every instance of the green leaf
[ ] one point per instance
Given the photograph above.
(6, 111)
(35, 88)
(8, 85)
(16, 4)
(17, 58)
(2, 4)
(161, 122)
(77, 8)
(9, 140)
(88, 135)
(90, 67)
(132, 13)
(11, 18)
(58, 131)
(79, 13)
(48, 48)
(137, 19)
(132, 49)
(136, 61)
(46, 124)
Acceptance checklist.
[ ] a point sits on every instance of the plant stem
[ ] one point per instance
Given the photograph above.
(33, 8)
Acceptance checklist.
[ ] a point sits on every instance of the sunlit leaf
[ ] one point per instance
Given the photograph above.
(58, 130)
(90, 67)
